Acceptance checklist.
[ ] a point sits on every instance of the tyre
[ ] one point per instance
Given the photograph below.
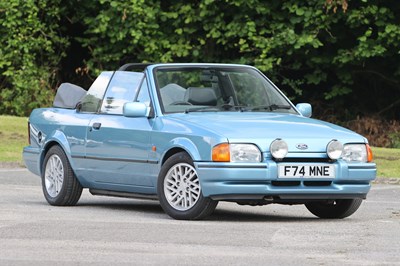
(179, 190)
(59, 184)
(334, 209)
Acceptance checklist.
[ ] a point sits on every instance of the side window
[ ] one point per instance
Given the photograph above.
(123, 88)
(91, 102)
(143, 95)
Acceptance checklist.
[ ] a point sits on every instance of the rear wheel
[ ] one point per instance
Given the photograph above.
(59, 184)
(334, 209)
(179, 190)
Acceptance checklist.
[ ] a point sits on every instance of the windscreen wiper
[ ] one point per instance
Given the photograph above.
(228, 106)
(271, 107)
(224, 107)
(202, 109)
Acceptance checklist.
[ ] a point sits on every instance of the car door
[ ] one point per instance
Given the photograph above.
(117, 147)
(77, 127)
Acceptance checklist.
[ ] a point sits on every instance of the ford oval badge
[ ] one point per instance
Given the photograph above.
(301, 146)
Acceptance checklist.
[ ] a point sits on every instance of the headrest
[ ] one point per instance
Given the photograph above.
(201, 96)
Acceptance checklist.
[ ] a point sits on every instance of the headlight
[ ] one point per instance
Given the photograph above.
(334, 149)
(245, 153)
(236, 153)
(357, 153)
(279, 149)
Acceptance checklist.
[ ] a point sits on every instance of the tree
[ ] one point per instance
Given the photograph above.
(327, 51)
(340, 55)
(29, 55)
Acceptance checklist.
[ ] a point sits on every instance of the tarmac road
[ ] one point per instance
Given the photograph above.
(112, 231)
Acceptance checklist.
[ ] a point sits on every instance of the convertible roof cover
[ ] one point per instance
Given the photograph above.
(68, 96)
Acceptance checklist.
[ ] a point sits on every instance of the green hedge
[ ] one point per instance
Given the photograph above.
(342, 56)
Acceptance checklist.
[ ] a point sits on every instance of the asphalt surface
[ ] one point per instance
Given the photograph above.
(115, 231)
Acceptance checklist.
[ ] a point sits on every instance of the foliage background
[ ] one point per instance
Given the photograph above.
(340, 55)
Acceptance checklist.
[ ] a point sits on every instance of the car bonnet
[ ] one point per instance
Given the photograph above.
(262, 128)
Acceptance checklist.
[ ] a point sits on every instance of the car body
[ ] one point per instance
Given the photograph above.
(191, 135)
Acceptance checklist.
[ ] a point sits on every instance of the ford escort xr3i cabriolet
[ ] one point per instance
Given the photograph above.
(191, 135)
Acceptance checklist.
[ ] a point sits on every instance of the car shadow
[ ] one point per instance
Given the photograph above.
(149, 206)
(245, 216)
(220, 214)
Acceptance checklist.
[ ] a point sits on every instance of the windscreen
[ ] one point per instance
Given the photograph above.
(190, 89)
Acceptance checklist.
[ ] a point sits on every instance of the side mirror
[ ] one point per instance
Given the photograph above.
(305, 109)
(135, 109)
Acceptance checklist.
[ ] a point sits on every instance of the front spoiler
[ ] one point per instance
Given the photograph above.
(229, 181)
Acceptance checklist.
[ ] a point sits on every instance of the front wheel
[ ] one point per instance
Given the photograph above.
(179, 190)
(334, 209)
(60, 186)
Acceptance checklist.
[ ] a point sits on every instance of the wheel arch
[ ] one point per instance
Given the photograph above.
(181, 145)
(57, 138)
(172, 152)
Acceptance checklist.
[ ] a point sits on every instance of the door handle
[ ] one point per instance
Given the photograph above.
(96, 125)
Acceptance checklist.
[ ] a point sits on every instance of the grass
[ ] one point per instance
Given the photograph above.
(387, 161)
(13, 137)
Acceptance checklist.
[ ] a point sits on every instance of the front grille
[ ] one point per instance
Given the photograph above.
(298, 183)
(305, 160)
(286, 183)
(317, 183)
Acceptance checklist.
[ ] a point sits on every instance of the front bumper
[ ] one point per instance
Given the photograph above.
(259, 181)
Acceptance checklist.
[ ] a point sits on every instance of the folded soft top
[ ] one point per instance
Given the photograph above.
(68, 96)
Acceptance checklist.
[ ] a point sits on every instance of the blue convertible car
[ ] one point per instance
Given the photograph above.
(191, 135)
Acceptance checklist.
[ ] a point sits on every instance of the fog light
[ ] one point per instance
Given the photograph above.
(279, 149)
(334, 149)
